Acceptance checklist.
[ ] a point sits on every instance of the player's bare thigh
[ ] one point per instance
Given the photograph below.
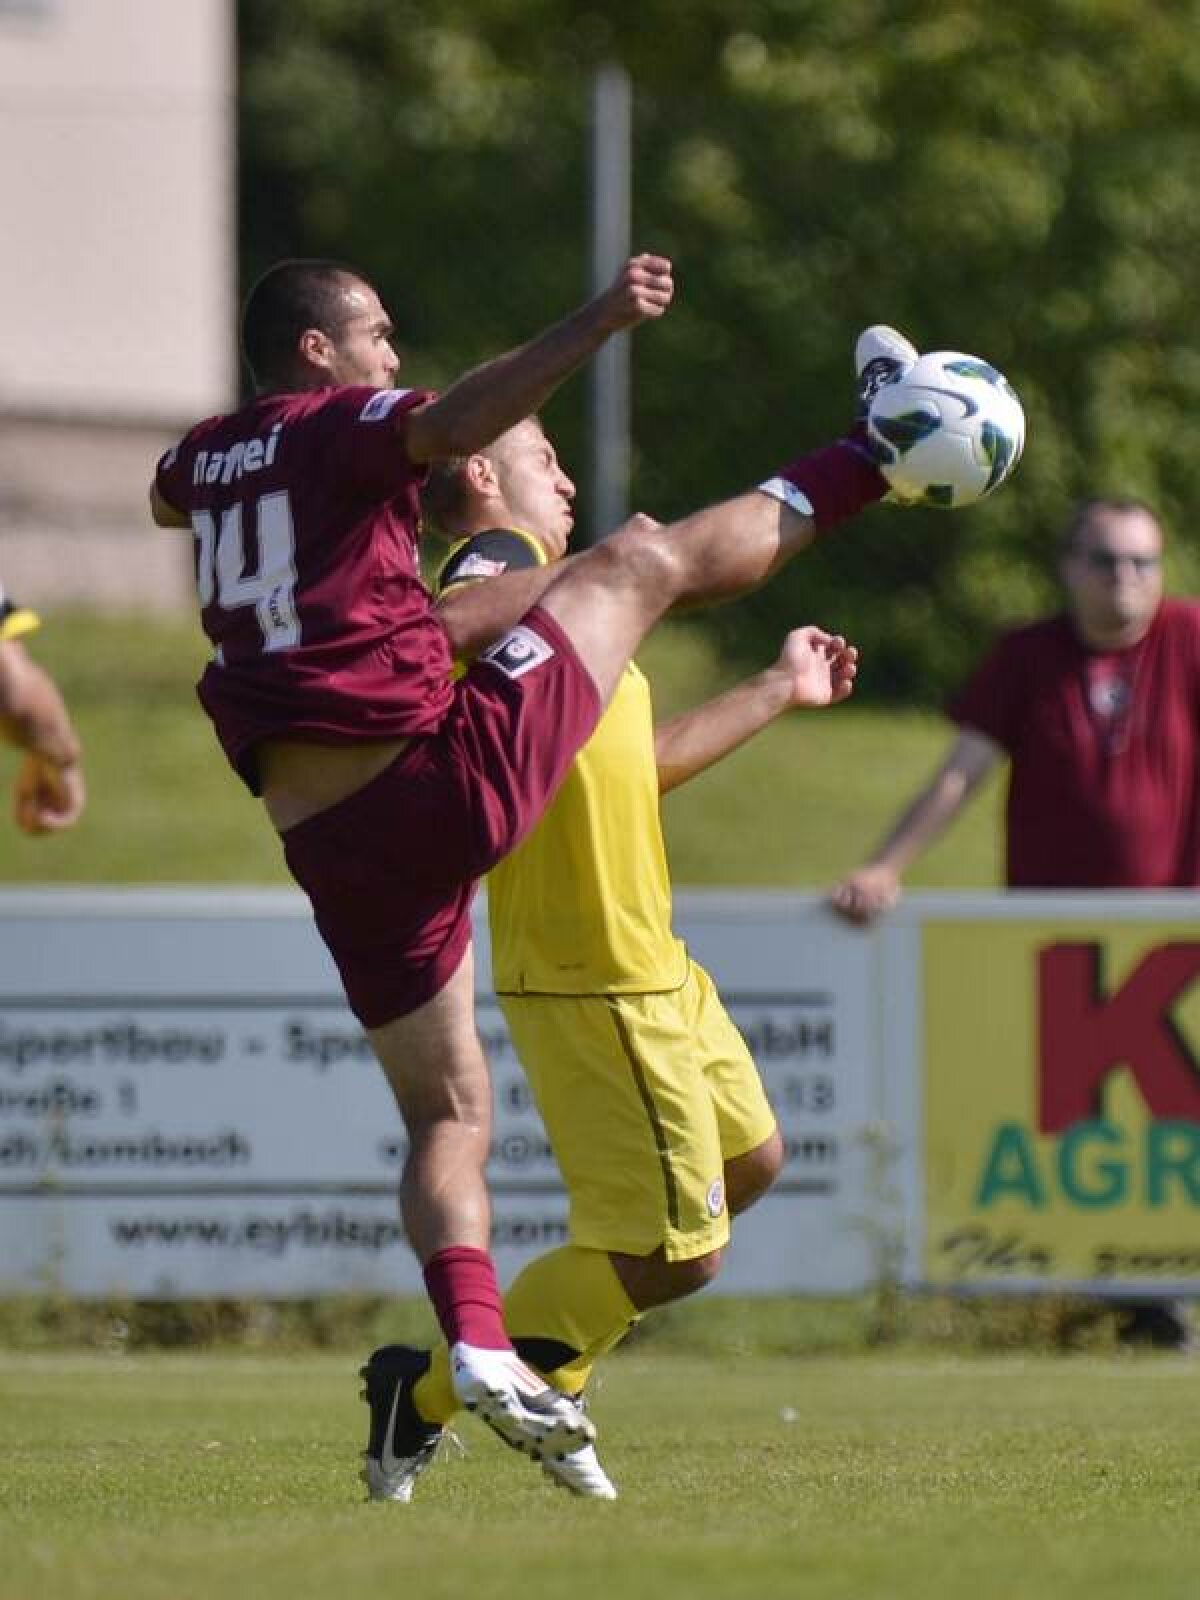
(749, 1176)
(300, 779)
(609, 598)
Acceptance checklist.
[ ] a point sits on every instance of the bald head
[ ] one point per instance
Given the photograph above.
(516, 482)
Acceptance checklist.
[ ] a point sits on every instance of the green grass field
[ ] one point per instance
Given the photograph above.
(802, 802)
(827, 1479)
(763, 1452)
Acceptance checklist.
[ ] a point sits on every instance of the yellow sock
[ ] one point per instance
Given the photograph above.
(433, 1394)
(563, 1312)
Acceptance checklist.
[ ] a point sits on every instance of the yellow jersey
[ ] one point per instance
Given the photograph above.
(583, 904)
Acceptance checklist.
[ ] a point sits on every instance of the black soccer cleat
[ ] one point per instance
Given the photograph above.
(401, 1444)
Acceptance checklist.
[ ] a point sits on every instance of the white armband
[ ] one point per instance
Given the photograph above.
(795, 499)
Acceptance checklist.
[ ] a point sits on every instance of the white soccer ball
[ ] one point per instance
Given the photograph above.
(947, 431)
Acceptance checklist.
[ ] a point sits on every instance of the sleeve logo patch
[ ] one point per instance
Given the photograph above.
(519, 652)
(380, 403)
(477, 566)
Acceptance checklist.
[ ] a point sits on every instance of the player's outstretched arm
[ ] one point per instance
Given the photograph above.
(814, 668)
(49, 793)
(495, 396)
(476, 614)
(874, 888)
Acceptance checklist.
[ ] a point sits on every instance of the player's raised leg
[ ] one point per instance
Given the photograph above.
(610, 597)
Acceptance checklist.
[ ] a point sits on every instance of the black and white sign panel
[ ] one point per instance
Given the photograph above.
(187, 1108)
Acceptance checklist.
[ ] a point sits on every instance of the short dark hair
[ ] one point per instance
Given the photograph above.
(444, 497)
(290, 297)
(1085, 510)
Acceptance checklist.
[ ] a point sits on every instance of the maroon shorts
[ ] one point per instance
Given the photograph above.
(391, 870)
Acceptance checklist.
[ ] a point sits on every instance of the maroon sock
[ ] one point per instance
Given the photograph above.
(462, 1285)
(837, 482)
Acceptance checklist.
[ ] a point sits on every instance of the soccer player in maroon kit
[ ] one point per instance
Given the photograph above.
(1098, 712)
(394, 788)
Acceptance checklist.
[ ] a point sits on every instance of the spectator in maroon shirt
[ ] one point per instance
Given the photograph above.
(1098, 711)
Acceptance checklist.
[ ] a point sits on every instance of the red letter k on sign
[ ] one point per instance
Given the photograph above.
(1084, 1034)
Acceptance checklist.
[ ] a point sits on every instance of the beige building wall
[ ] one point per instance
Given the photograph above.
(117, 281)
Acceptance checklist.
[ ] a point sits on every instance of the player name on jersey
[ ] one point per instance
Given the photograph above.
(243, 456)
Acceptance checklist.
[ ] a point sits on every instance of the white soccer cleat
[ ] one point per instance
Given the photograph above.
(881, 355)
(517, 1404)
(581, 1473)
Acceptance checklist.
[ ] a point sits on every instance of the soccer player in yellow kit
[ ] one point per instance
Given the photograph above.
(651, 1100)
(49, 793)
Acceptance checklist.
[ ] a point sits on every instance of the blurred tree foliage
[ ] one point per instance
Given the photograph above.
(1020, 181)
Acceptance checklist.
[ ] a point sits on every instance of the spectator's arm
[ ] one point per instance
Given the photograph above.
(875, 887)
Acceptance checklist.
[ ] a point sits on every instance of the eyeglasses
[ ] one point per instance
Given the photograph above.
(1109, 560)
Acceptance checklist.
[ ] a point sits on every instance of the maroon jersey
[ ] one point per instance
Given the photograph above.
(304, 509)
(1104, 787)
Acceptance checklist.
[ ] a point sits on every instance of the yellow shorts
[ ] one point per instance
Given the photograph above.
(644, 1098)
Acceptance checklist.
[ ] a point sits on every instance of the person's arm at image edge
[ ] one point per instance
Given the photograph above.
(49, 793)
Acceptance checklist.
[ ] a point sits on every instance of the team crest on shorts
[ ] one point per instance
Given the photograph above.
(518, 652)
(715, 1198)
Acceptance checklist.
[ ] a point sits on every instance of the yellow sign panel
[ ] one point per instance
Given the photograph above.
(1062, 1103)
